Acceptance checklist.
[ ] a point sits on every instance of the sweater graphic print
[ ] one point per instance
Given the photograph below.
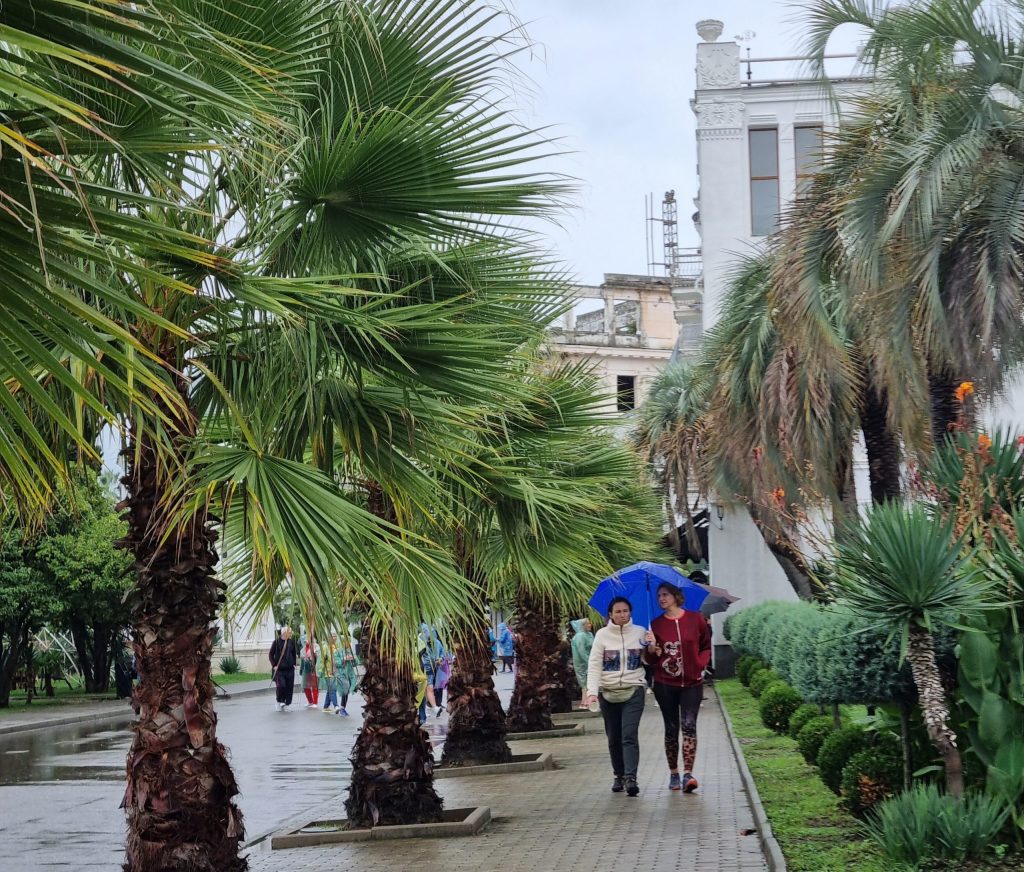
(613, 660)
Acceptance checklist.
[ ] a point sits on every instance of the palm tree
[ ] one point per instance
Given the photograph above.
(905, 571)
(925, 209)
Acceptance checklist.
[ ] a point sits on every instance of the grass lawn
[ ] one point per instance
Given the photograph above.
(814, 833)
(238, 677)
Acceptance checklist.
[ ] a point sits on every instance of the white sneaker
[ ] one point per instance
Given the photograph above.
(285, 708)
(279, 706)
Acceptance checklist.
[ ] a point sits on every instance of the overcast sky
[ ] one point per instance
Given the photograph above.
(615, 78)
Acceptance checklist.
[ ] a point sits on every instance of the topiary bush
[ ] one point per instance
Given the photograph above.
(800, 717)
(835, 753)
(760, 680)
(778, 702)
(872, 775)
(811, 736)
(746, 667)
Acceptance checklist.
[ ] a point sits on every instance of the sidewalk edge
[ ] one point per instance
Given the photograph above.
(769, 844)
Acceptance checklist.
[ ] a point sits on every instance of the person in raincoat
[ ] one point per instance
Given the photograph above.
(434, 660)
(346, 679)
(506, 646)
(327, 668)
(307, 671)
(582, 642)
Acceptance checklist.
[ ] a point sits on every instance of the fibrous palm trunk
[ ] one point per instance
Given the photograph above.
(179, 797)
(934, 707)
(882, 445)
(530, 708)
(392, 759)
(565, 689)
(945, 409)
(476, 721)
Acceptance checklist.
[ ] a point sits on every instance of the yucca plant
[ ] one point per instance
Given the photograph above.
(903, 571)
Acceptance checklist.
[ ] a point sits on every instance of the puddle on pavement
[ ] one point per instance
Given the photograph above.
(71, 753)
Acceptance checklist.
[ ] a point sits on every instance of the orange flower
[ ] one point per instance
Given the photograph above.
(779, 495)
(1020, 441)
(984, 443)
(964, 391)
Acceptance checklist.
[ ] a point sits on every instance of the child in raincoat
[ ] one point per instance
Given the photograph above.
(345, 678)
(327, 669)
(582, 642)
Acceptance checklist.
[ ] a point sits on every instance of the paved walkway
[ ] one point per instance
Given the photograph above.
(569, 819)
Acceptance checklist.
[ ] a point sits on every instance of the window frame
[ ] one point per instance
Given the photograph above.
(752, 178)
(622, 392)
(818, 160)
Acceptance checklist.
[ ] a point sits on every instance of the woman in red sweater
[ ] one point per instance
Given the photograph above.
(680, 651)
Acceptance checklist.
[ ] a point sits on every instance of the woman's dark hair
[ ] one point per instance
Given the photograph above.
(616, 601)
(672, 589)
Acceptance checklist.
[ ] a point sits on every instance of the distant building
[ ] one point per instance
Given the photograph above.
(629, 326)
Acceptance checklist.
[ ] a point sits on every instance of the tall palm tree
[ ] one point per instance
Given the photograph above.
(905, 571)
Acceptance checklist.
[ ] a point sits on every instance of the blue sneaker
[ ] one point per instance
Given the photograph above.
(673, 782)
(343, 712)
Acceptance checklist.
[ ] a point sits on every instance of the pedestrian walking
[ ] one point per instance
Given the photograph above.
(346, 678)
(284, 654)
(328, 667)
(434, 660)
(680, 652)
(615, 680)
(506, 647)
(307, 672)
(582, 642)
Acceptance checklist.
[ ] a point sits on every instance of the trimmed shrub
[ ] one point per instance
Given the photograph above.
(778, 702)
(230, 665)
(746, 667)
(800, 717)
(871, 776)
(760, 680)
(811, 736)
(922, 824)
(835, 753)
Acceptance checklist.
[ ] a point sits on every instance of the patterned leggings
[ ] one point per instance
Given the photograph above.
(679, 709)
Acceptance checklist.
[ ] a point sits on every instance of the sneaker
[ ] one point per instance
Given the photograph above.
(674, 782)
(617, 786)
(279, 706)
(343, 712)
(689, 783)
(632, 789)
(286, 708)
(440, 709)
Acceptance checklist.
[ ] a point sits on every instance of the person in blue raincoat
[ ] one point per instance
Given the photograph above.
(434, 659)
(346, 678)
(582, 642)
(506, 646)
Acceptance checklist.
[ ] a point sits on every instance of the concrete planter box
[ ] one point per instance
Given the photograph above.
(519, 763)
(560, 731)
(577, 715)
(456, 822)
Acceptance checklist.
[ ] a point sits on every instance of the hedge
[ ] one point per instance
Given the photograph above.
(835, 753)
(812, 735)
(778, 702)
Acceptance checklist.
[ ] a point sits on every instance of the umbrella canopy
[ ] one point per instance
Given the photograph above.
(639, 584)
(718, 600)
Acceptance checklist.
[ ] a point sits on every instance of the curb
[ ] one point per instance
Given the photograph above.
(109, 719)
(769, 844)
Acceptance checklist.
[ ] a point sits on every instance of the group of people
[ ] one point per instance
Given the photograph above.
(677, 651)
(331, 666)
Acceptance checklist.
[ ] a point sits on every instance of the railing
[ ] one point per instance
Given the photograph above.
(793, 71)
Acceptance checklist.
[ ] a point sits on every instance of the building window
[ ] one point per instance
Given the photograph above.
(625, 393)
(807, 146)
(764, 181)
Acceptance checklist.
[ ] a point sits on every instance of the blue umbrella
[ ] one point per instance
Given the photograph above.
(639, 584)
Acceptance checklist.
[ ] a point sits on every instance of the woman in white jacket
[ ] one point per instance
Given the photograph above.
(615, 676)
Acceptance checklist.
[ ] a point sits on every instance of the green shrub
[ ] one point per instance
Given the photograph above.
(778, 702)
(800, 717)
(230, 665)
(872, 775)
(812, 734)
(923, 824)
(835, 753)
(746, 667)
(760, 680)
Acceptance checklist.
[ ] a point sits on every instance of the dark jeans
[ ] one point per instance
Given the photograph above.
(679, 709)
(621, 725)
(284, 682)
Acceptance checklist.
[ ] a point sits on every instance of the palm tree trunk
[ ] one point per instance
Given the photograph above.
(179, 796)
(565, 690)
(882, 444)
(530, 708)
(925, 669)
(392, 759)
(942, 385)
(476, 721)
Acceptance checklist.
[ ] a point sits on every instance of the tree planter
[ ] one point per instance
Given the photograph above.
(519, 763)
(455, 822)
(560, 731)
(578, 715)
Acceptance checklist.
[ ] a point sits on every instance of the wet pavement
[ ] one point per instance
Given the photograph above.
(60, 788)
